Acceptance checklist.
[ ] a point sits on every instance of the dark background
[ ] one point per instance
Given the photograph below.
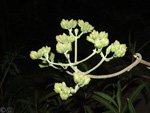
(30, 24)
(35, 23)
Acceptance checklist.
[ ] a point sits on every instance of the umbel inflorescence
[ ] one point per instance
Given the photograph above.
(64, 46)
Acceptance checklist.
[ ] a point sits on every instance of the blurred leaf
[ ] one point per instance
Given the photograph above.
(84, 66)
(57, 77)
(119, 94)
(131, 107)
(51, 109)
(49, 85)
(142, 46)
(108, 112)
(77, 110)
(68, 101)
(107, 97)
(31, 110)
(88, 109)
(15, 67)
(43, 65)
(147, 90)
(23, 101)
(134, 95)
(136, 92)
(36, 96)
(44, 98)
(105, 103)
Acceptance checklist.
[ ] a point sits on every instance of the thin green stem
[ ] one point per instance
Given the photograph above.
(80, 34)
(95, 67)
(72, 64)
(68, 58)
(51, 64)
(76, 48)
(69, 73)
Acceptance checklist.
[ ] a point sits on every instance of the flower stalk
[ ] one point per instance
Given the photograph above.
(64, 46)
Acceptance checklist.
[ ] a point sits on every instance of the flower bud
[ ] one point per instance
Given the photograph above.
(52, 56)
(81, 79)
(60, 47)
(70, 39)
(80, 23)
(98, 43)
(72, 23)
(57, 87)
(65, 24)
(85, 26)
(115, 46)
(40, 53)
(33, 55)
(67, 47)
(108, 50)
(103, 34)
(76, 78)
(105, 42)
(76, 31)
(64, 96)
(90, 39)
(87, 80)
(121, 51)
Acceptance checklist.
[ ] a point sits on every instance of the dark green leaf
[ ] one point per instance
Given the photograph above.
(84, 66)
(51, 109)
(88, 109)
(108, 112)
(107, 97)
(15, 67)
(36, 96)
(130, 106)
(136, 92)
(44, 98)
(119, 94)
(105, 103)
(133, 96)
(23, 101)
(49, 85)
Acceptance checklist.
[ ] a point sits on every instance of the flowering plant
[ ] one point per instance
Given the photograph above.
(64, 46)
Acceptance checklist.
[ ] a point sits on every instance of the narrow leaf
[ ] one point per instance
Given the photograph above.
(88, 109)
(105, 103)
(136, 92)
(36, 96)
(108, 112)
(23, 101)
(130, 106)
(133, 96)
(119, 94)
(107, 97)
(44, 98)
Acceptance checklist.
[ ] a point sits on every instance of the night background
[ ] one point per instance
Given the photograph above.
(28, 25)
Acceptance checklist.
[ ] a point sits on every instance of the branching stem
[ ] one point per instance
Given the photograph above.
(95, 67)
(137, 61)
(72, 64)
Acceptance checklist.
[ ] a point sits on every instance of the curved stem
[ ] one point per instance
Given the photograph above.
(78, 62)
(46, 58)
(69, 73)
(102, 60)
(138, 60)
